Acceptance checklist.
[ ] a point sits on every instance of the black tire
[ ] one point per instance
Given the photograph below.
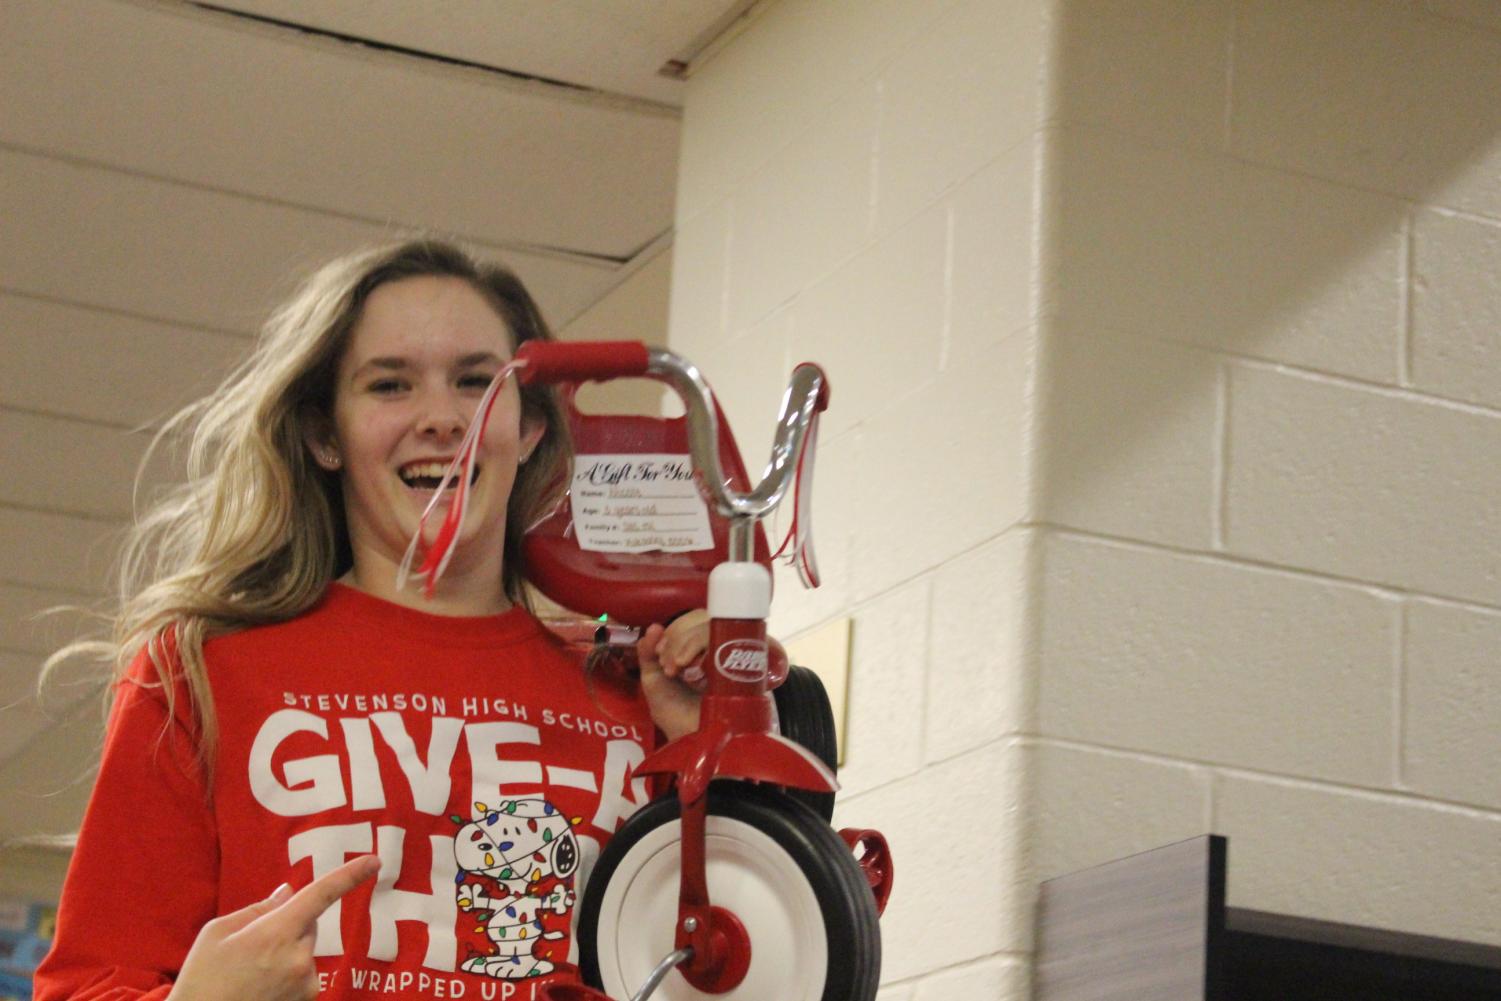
(805, 717)
(639, 871)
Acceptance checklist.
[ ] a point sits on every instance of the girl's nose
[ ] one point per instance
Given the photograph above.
(442, 418)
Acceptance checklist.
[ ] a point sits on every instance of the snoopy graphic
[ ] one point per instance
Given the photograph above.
(516, 862)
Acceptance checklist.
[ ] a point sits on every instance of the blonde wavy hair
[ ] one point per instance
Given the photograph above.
(257, 531)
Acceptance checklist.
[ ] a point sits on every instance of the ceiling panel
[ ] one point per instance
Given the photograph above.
(57, 551)
(25, 712)
(71, 466)
(388, 139)
(26, 625)
(21, 717)
(610, 45)
(65, 359)
(188, 256)
(17, 680)
(45, 783)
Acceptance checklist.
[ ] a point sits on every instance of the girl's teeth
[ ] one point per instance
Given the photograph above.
(410, 475)
(430, 471)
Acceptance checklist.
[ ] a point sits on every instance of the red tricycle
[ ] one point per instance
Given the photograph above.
(734, 879)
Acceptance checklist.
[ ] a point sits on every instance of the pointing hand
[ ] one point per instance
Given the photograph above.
(264, 952)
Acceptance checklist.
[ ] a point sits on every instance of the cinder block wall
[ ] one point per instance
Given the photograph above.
(1158, 479)
(858, 185)
(1270, 578)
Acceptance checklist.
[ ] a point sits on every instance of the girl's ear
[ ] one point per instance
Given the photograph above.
(318, 436)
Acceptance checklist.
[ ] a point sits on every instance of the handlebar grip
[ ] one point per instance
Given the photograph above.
(552, 361)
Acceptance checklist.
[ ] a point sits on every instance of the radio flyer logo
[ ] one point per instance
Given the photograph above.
(515, 887)
(742, 660)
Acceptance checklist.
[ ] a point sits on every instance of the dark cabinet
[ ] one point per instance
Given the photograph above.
(1154, 927)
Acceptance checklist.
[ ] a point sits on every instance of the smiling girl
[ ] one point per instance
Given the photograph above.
(263, 734)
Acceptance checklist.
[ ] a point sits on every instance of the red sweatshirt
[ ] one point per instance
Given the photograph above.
(470, 753)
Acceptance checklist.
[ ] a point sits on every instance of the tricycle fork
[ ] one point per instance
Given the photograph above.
(734, 740)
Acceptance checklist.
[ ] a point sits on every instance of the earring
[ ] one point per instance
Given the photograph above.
(330, 459)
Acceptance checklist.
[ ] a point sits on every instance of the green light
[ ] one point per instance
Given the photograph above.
(603, 618)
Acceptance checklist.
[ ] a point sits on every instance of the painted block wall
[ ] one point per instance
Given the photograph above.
(859, 185)
(1158, 479)
(1267, 596)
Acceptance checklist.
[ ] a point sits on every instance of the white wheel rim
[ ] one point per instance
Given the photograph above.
(750, 875)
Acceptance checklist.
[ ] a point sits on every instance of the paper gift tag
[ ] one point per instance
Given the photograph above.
(637, 503)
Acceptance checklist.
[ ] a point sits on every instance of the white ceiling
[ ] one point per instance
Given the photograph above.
(611, 46)
(167, 167)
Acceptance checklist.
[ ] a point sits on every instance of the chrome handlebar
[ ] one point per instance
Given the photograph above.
(805, 396)
(799, 404)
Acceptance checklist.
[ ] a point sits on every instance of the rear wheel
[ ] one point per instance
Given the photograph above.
(805, 717)
(777, 867)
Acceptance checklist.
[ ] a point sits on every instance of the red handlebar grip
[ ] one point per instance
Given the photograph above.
(552, 361)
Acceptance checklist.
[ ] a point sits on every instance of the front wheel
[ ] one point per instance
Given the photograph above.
(779, 868)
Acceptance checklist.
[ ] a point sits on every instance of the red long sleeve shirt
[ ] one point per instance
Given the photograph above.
(471, 754)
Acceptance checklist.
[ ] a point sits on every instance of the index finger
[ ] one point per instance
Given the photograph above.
(319, 895)
(646, 649)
